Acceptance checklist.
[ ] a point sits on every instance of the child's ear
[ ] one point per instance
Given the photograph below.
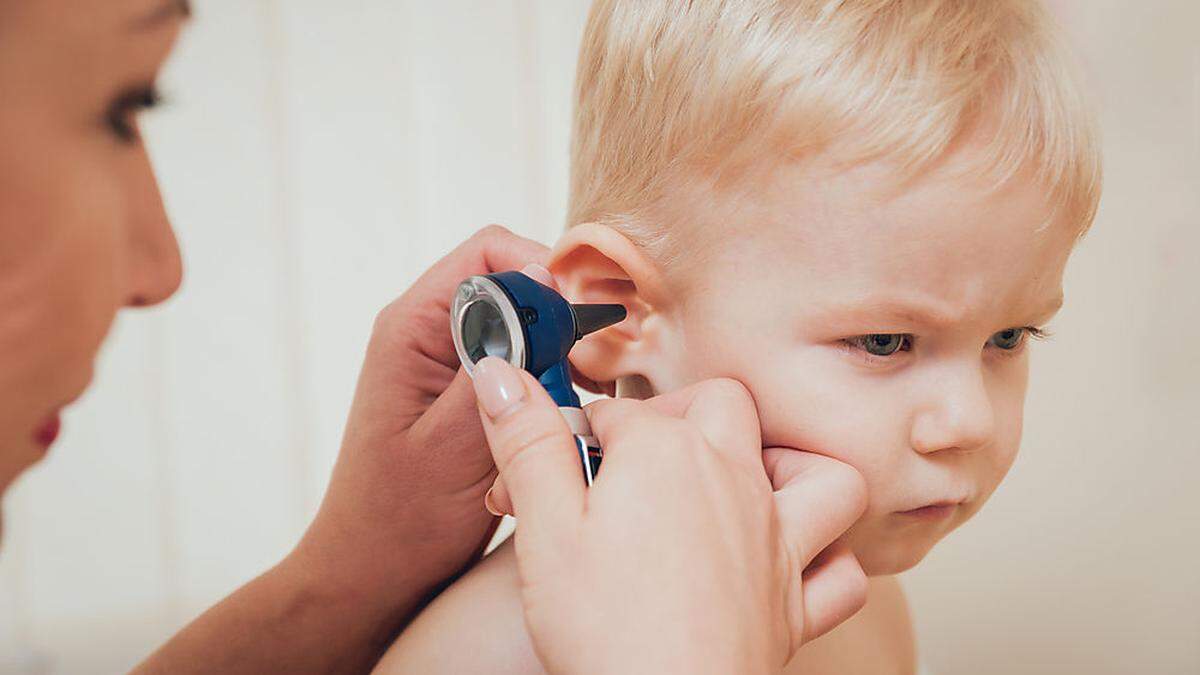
(595, 263)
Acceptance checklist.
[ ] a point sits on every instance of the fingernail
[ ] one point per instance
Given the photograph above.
(539, 274)
(489, 502)
(498, 387)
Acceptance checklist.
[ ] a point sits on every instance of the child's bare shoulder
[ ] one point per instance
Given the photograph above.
(474, 626)
(879, 640)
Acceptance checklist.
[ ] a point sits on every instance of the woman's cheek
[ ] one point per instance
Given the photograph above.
(71, 293)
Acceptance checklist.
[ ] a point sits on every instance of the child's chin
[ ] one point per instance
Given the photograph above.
(893, 557)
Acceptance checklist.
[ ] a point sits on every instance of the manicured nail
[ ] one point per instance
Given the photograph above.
(539, 274)
(498, 387)
(489, 502)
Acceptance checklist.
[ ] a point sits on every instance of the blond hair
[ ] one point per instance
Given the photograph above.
(670, 85)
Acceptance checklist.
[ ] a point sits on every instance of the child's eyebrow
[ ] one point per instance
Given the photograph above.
(1049, 308)
(887, 309)
(883, 310)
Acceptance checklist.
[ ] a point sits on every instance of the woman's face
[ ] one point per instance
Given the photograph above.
(82, 226)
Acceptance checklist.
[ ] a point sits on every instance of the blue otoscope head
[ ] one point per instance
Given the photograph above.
(528, 324)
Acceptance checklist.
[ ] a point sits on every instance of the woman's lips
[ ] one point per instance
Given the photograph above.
(48, 432)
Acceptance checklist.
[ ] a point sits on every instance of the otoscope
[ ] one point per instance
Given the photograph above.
(531, 326)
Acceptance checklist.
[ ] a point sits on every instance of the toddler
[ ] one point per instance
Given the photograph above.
(860, 209)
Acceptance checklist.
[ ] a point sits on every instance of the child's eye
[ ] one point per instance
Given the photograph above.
(881, 344)
(1009, 338)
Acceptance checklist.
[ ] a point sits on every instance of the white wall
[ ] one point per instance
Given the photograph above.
(318, 155)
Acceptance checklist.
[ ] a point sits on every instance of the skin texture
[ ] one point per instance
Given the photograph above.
(83, 234)
(780, 278)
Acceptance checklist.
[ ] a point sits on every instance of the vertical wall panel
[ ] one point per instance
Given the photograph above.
(407, 133)
(557, 27)
(228, 371)
(353, 191)
(14, 630)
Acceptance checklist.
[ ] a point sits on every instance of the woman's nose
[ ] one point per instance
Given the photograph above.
(958, 416)
(155, 269)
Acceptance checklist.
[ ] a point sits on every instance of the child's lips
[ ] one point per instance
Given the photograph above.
(934, 511)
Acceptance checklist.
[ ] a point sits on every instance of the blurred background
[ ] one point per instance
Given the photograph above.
(317, 156)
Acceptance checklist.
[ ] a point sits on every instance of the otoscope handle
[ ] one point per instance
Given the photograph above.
(557, 381)
(590, 453)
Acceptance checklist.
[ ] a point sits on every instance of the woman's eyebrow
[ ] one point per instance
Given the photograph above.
(166, 11)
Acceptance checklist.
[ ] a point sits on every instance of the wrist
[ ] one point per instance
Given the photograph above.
(317, 598)
(386, 576)
(335, 575)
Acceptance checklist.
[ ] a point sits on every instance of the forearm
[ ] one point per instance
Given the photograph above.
(322, 610)
(291, 619)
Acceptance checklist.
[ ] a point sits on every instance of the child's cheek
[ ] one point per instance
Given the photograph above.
(998, 457)
(814, 414)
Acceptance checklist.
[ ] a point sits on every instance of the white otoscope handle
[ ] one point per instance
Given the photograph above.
(590, 453)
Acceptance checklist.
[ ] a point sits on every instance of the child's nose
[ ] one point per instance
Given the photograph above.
(958, 415)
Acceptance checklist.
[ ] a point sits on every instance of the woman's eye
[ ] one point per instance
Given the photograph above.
(881, 344)
(1009, 338)
(122, 113)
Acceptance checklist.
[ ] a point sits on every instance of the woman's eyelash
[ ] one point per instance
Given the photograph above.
(122, 113)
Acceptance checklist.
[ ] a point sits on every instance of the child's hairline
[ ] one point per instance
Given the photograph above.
(649, 227)
(1026, 82)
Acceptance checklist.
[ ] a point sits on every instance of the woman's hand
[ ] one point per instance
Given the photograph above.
(404, 510)
(680, 558)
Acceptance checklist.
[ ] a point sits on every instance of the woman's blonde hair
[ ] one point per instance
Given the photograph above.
(714, 85)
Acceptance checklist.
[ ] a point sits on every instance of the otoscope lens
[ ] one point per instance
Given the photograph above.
(484, 332)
